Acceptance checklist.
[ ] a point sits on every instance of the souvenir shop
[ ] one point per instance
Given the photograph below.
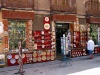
(38, 40)
(15, 26)
(94, 31)
(72, 34)
(44, 38)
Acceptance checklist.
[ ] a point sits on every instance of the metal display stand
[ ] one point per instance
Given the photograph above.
(65, 61)
(65, 51)
(20, 71)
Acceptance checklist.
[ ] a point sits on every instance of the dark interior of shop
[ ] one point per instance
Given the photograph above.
(61, 28)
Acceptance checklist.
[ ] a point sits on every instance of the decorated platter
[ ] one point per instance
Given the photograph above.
(16, 56)
(46, 19)
(44, 57)
(12, 61)
(9, 56)
(46, 26)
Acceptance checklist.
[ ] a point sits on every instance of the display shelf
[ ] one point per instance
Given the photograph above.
(42, 39)
(42, 56)
(12, 58)
(76, 53)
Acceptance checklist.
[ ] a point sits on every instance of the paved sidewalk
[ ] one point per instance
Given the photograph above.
(79, 64)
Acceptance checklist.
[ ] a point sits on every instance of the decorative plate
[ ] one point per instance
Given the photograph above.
(46, 26)
(46, 19)
(42, 32)
(52, 57)
(12, 61)
(42, 37)
(9, 56)
(52, 53)
(16, 56)
(48, 57)
(53, 37)
(53, 27)
(43, 57)
(43, 53)
(34, 54)
(53, 33)
(48, 53)
(35, 46)
(23, 55)
(34, 59)
(42, 41)
(43, 46)
(39, 58)
(39, 54)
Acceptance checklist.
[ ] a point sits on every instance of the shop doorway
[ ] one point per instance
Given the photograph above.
(61, 28)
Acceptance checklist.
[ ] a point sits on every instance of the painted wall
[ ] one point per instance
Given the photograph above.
(43, 6)
(80, 7)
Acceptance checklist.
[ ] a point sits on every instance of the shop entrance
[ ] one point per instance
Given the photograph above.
(61, 28)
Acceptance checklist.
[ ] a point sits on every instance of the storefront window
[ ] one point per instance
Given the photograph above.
(16, 32)
(94, 32)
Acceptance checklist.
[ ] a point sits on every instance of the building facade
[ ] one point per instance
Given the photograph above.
(48, 29)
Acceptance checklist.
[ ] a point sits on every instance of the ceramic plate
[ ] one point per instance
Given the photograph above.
(43, 57)
(12, 61)
(48, 57)
(52, 53)
(23, 55)
(46, 19)
(16, 56)
(39, 58)
(9, 56)
(52, 57)
(46, 26)
(34, 59)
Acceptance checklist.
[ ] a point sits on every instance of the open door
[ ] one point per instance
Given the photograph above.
(61, 28)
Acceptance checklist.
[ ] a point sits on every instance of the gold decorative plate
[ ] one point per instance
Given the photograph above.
(43, 57)
(34, 59)
(52, 58)
(46, 26)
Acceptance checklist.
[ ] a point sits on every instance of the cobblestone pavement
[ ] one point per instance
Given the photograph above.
(56, 67)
